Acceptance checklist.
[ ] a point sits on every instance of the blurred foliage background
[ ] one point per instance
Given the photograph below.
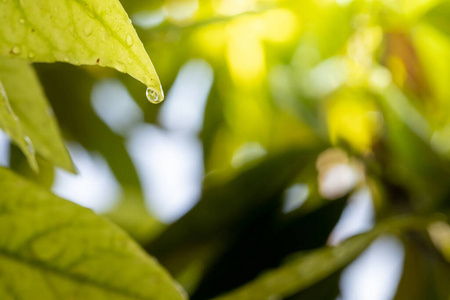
(294, 136)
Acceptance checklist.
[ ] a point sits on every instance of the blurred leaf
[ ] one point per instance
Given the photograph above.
(425, 272)
(331, 42)
(55, 249)
(349, 120)
(433, 49)
(11, 125)
(78, 32)
(302, 272)
(266, 242)
(133, 6)
(18, 163)
(323, 290)
(439, 17)
(34, 113)
(132, 215)
(410, 159)
(310, 268)
(190, 263)
(69, 90)
(224, 210)
(212, 121)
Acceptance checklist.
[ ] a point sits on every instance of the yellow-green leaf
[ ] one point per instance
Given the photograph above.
(11, 125)
(439, 17)
(51, 248)
(34, 113)
(75, 31)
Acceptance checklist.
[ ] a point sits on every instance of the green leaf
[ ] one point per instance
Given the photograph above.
(303, 271)
(69, 91)
(11, 125)
(439, 17)
(266, 243)
(194, 243)
(226, 207)
(79, 32)
(413, 161)
(311, 268)
(51, 248)
(425, 271)
(34, 114)
(133, 6)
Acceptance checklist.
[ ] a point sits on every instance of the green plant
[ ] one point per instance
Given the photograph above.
(297, 92)
(51, 248)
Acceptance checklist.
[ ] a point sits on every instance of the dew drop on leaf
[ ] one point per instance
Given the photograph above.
(29, 144)
(129, 40)
(87, 30)
(121, 67)
(153, 96)
(15, 50)
(21, 21)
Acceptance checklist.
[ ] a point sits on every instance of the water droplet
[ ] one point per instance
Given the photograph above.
(31, 54)
(87, 30)
(15, 50)
(105, 35)
(121, 67)
(153, 96)
(29, 144)
(129, 40)
(21, 21)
